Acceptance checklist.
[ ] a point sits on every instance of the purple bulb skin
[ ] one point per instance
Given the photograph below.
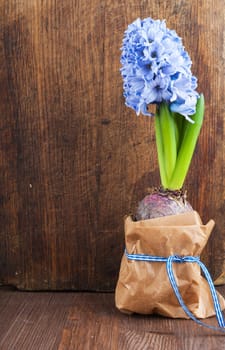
(162, 204)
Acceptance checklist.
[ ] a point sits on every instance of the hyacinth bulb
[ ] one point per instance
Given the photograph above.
(162, 203)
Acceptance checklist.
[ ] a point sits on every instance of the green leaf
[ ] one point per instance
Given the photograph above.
(168, 136)
(160, 152)
(187, 146)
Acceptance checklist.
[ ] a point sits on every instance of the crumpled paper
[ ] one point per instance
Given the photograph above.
(144, 288)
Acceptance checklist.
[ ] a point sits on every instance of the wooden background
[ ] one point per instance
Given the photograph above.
(73, 159)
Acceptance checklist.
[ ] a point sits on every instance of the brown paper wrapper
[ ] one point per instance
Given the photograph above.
(144, 288)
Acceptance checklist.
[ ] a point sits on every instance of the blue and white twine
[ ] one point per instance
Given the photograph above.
(169, 267)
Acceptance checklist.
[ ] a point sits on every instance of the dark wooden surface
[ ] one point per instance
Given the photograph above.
(73, 159)
(86, 321)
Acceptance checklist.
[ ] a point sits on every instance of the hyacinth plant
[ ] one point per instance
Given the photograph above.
(156, 70)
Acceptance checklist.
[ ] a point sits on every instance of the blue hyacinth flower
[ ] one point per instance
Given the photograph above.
(156, 68)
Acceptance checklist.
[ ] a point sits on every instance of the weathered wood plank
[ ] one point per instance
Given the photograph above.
(80, 321)
(73, 159)
(98, 325)
(32, 321)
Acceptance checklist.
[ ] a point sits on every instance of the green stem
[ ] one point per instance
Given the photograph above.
(187, 147)
(167, 124)
(160, 153)
(180, 122)
(176, 131)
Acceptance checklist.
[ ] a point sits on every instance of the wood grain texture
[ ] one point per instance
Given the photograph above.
(94, 323)
(85, 321)
(32, 321)
(73, 159)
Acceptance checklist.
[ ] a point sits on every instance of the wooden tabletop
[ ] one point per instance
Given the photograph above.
(70, 320)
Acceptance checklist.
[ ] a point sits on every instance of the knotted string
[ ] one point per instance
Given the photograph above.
(169, 267)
